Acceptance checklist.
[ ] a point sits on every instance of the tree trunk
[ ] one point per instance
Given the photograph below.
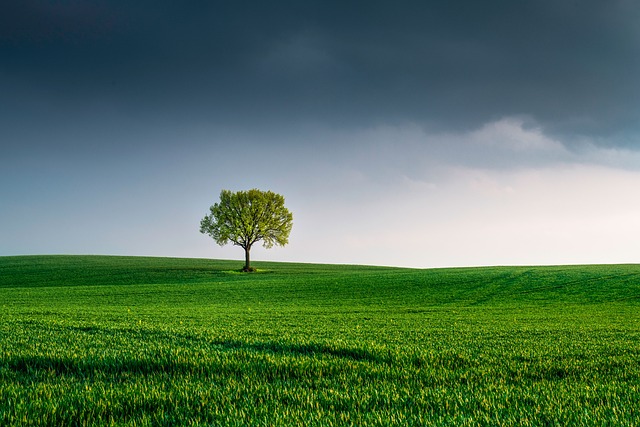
(247, 266)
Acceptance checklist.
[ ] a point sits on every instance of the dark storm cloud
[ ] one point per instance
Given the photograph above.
(572, 66)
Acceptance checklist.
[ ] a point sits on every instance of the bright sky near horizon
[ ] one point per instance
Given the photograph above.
(422, 134)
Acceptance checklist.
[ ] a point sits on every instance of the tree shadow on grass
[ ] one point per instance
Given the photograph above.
(308, 350)
(41, 367)
(47, 365)
(189, 340)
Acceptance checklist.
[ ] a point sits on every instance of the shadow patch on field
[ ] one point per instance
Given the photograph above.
(274, 347)
(53, 366)
(309, 350)
(35, 368)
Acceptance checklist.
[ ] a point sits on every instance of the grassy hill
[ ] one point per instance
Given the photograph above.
(97, 340)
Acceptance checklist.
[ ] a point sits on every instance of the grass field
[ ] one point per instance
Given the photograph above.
(93, 340)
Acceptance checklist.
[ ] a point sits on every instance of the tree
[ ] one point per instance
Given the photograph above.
(247, 217)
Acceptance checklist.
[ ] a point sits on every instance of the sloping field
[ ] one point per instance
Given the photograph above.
(96, 340)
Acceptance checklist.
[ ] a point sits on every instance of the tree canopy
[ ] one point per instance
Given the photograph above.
(247, 217)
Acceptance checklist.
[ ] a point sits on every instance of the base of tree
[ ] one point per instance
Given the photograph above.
(249, 270)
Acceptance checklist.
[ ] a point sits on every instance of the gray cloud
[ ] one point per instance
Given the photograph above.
(571, 66)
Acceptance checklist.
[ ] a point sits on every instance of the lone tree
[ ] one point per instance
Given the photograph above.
(246, 217)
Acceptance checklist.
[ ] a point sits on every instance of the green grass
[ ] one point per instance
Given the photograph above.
(94, 340)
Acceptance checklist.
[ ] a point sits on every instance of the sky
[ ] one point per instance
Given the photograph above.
(412, 133)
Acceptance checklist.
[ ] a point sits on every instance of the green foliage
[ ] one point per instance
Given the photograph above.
(247, 217)
(159, 341)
